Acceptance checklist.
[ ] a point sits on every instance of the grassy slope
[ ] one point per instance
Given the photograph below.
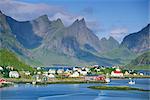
(8, 58)
(124, 54)
(50, 57)
(141, 62)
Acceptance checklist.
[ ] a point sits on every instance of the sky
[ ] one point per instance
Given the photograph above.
(105, 18)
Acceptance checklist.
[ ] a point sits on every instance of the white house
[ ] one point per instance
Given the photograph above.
(14, 74)
(68, 71)
(38, 68)
(83, 72)
(141, 74)
(52, 71)
(126, 73)
(27, 73)
(1, 68)
(117, 73)
(60, 71)
(76, 68)
(38, 72)
(51, 76)
(75, 74)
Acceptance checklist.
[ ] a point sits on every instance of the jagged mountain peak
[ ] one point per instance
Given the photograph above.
(78, 22)
(82, 20)
(103, 39)
(109, 39)
(58, 23)
(43, 17)
(59, 20)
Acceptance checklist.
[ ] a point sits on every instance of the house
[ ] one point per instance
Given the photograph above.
(85, 68)
(141, 74)
(10, 67)
(95, 78)
(68, 71)
(52, 71)
(76, 69)
(75, 74)
(51, 76)
(2, 81)
(117, 73)
(27, 73)
(38, 68)
(39, 72)
(60, 71)
(126, 73)
(83, 72)
(45, 73)
(14, 74)
(38, 78)
(1, 68)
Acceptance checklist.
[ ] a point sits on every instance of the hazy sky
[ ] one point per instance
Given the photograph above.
(106, 18)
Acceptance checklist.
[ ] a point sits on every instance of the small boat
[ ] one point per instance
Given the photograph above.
(131, 82)
(107, 80)
(33, 82)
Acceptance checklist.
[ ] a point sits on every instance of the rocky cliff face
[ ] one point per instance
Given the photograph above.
(139, 41)
(7, 39)
(71, 40)
(23, 31)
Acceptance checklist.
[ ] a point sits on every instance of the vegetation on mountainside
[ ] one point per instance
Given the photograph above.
(121, 53)
(8, 58)
(141, 62)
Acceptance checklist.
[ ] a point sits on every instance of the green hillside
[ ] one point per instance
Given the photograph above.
(121, 53)
(141, 62)
(8, 58)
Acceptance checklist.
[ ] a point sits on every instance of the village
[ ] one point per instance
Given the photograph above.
(93, 73)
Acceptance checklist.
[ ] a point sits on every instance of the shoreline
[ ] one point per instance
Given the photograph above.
(62, 81)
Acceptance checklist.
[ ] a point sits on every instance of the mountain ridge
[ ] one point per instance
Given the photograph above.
(138, 41)
(50, 42)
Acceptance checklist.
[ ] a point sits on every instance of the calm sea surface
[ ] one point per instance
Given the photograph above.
(75, 92)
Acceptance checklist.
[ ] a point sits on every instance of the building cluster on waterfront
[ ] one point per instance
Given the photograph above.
(94, 72)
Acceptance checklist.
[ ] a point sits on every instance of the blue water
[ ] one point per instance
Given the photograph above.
(74, 92)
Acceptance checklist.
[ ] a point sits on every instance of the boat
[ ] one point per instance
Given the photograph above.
(131, 82)
(33, 82)
(107, 80)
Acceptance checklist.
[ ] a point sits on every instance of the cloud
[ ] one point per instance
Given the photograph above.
(119, 33)
(24, 11)
(27, 11)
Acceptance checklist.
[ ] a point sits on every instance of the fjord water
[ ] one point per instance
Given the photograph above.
(75, 92)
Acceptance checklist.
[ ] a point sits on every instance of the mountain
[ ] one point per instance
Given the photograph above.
(24, 33)
(7, 39)
(138, 41)
(141, 62)
(70, 40)
(76, 42)
(10, 59)
(108, 44)
(45, 42)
